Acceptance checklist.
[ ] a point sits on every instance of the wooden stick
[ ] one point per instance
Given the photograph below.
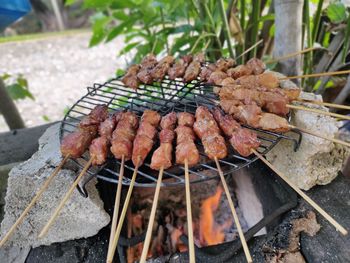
(321, 136)
(295, 107)
(249, 49)
(64, 200)
(189, 214)
(151, 218)
(34, 200)
(303, 195)
(327, 104)
(111, 252)
(117, 203)
(317, 75)
(234, 213)
(290, 55)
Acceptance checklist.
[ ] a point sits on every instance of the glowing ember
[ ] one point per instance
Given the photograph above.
(210, 233)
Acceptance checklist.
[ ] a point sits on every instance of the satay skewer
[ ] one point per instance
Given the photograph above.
(65, 199)
(249, 49)
(234, 213)
(290, 55)
(327, 104)
(340, 228)
(117, 202)
(113, 247)
(315, 75)
(321, 136)
(34, 200)
(335, 115)
(152, 218)
(189, 214)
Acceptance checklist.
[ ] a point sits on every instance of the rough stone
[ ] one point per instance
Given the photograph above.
(318, 161)
(81, 217)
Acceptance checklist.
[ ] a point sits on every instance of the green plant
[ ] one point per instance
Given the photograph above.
(178, 27)
(17, 87)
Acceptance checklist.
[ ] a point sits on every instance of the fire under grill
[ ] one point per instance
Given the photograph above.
(164, 97)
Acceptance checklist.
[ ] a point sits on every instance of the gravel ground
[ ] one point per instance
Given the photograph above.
(58, 70)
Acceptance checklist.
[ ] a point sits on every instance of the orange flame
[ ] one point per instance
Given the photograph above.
(210, 234)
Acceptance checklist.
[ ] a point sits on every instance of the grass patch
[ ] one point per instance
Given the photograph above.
(38, 36)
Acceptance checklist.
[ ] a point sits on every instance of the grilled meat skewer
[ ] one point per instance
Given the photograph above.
(208, 131)
(144, 139)
(186, 150)
(162, 157)
(159, 71)
(179, 68)
(130, 78)
(146, 67)
(241, 139)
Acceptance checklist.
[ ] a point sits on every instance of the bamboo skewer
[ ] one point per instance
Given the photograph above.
(340, 228)
(249, 49)
(151, 218)
(117, 202)
(290, 55)
(234, 213)
(321, 136)
(189, 214)
(34, 200)
(327, 104)
(341, 72)
(111, 251)
(340, 116)
(64, 200)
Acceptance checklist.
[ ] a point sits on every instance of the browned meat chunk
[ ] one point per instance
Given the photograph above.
(239, 71)
(147, 64)
(166, 136)
(184, 134)
(99, 150)
(168, 121)
(243, 141)
(224, 64)
(106, 127)
(192, 71)
(214, 146)
(142, 146)
(162, 157)
(179, 68)
(226, 122)
(160, 70)
(205, 73)
(151, 116)
(185, 119)
(76, 143)
(199, 57)
(130, 78)
(187, 151)
(256, 65)
(272, 122)
(216, 77)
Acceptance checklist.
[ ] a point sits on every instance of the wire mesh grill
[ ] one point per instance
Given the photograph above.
(164, 97)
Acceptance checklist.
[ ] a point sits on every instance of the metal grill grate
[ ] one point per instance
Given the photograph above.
(165, 96)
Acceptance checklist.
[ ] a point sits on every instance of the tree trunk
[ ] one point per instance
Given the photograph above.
(9, 110)
(288, 34)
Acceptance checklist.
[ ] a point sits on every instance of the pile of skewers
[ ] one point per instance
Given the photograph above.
(247, 95)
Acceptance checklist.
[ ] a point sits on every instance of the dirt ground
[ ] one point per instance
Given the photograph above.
(58, 70)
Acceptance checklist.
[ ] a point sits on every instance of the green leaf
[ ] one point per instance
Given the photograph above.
(69, 2)
(99, 31)
(5, 76)
(268, 17)
(96, 3)
(336, 12)
(23, 82)
(128, 47)
(46, 118)
(119, 72)
(120, 15)
(18, 92)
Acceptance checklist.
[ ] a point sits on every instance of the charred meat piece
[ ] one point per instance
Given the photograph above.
(226, 122)
(199, 57)
(123, 135)
(106, 127)
(179, 68)
(192, 71)
(256, 65)
(185, 119)
(99, 150)
(144, 139)
(147, 64)
(168, 121)
(205, 73)
(239, 71)
(76, 143)
(160, 70)
(184, 134)
(208, 131)
(151, 116)
(97, 115)
(130, 78)
(272, 122)
(217, 77)
(244, 140)
(223, 64)
(187, 151)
